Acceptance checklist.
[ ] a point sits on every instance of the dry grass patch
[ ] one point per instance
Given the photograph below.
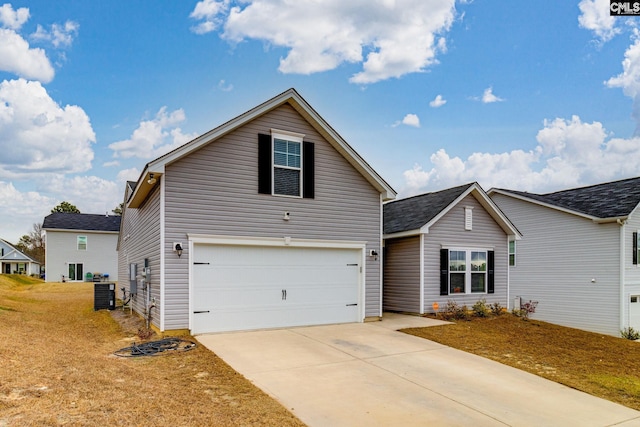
(58, 368)
(601, 365)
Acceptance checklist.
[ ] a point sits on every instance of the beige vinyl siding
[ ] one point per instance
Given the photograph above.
(557, 259)
(402, 275)
(140, 239)
(214, 191)
(450, 232)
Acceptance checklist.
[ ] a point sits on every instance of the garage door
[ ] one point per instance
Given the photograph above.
(252, 287)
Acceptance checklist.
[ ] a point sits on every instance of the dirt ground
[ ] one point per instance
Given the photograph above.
(58, 368)
(601, 365)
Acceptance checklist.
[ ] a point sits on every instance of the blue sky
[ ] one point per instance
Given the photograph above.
(536, 96)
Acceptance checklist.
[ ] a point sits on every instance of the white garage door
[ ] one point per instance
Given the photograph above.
(250, 287)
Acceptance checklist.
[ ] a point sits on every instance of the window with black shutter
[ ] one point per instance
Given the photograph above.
(286, 165)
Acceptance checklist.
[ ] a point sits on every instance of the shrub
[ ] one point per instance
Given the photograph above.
(453, 311)
(525, 309)
(630, 334)
(480, 308)
(496, 309)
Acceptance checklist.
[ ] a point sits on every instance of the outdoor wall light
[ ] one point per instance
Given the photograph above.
(177, 247)
(151, 180)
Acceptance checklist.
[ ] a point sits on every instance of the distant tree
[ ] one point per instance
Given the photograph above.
(33, 244)
(118, 209)
(65, 207)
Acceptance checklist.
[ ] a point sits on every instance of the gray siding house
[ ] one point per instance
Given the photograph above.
(13, 261)
(447, 245)
(80, 246)
(579, 255)
(268, 220)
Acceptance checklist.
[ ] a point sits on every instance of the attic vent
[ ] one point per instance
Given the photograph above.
(468, 218)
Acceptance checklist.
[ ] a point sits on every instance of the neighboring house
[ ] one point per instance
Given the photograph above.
(80, 246)
(12, 261)
(269, 220)
(579, 255)
(446, 245)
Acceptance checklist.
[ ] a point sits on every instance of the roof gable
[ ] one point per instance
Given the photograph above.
(14, 254)
(416, 214)
(80, 221)
(610, 200)
(154, 169)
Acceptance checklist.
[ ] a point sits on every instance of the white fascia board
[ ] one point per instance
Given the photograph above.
(400, 234)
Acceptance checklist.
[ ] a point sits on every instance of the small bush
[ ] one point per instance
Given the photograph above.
(453, 311)
(480, 308)
(496, 309)
(630, 334)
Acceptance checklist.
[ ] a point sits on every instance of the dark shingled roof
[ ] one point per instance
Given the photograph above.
(75, 221)
(414, 212)
(608, 200)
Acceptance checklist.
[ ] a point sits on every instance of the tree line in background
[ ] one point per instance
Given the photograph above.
(34, 243)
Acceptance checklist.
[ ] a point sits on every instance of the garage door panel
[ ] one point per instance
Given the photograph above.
(240, 287)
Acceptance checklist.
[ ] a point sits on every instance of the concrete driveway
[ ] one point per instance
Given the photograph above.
(368, 374)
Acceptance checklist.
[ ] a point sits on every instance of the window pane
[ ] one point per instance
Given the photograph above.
(280, 146)
(293, 147)
(512, 260)
(286, 182)
(477, 282)
(72, 272)
(478, 261)
(280, 159)
(457, 260)
(293, 160)
(456, 283)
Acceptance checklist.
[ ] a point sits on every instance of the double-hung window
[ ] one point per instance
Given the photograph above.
(287, 167)
(82, 243)
(466, 271)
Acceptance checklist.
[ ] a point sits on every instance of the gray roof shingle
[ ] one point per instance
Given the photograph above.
(609, 200)
(414, 212)
(75, 221)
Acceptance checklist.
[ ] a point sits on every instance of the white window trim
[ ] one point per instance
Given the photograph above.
(468, 272)
(514, 253)
(287, 136)
(86, 242)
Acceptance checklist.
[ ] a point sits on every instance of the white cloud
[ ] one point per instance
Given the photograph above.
(153, 138)
(390, 38)
(595, 17)
(437, 102)
(20, 210)
(59, 35)
(408, 120)
(207, 11)
(17, 57)
(13, 19)
(224, 86)
(569, 153)
(38, 135)
(488, 97)
(629, 79)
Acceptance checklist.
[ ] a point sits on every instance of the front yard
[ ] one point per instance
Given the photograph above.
(58, 368)
(600, 365)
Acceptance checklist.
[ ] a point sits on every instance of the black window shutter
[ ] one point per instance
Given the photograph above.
(308, 170)
(444, 271)
(635, 247)
(264, 163)
(490, 276)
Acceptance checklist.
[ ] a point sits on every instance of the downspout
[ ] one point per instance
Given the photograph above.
(381, 265)
(622, 257)
(421, 273)
(508, 273)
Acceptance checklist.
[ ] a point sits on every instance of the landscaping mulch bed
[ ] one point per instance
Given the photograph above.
(601, 365)
(59, 368)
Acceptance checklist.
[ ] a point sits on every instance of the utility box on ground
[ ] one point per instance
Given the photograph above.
(104, 296)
